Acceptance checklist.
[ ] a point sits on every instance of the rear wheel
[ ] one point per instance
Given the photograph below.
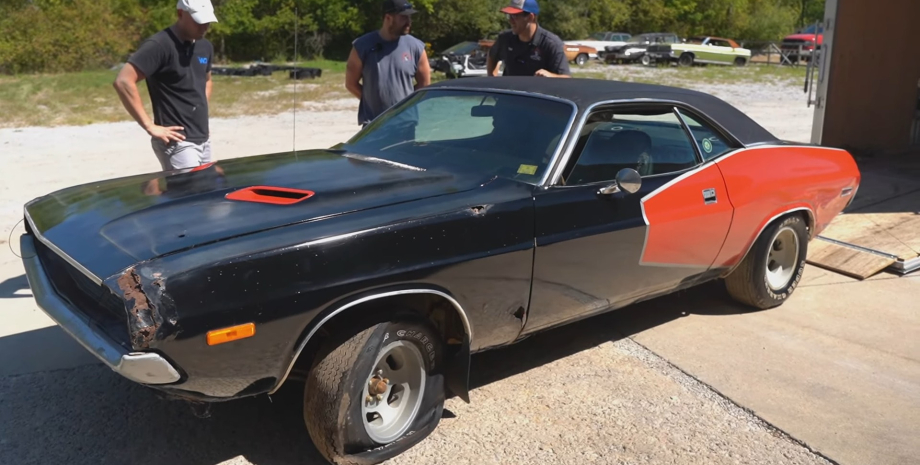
(581, 59)
(685, 60)
(740, 61)
(376, 394)
(773, 268)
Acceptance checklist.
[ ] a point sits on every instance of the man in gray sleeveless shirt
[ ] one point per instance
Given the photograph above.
(382, 64)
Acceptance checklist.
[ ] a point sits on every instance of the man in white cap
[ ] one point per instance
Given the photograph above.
(176, 62)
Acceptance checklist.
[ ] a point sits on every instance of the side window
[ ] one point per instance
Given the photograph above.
(711, 144)
(651, 141)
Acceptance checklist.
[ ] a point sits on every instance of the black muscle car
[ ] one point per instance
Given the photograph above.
(467, 217)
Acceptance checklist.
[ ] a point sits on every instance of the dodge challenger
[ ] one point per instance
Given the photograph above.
(467, 217)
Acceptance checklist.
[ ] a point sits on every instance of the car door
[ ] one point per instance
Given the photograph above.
(725, 53)
(596, 251)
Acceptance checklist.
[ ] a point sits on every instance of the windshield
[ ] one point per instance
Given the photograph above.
(480, 132)
(463, 48)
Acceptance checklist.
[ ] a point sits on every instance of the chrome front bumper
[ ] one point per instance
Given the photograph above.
(141, 367)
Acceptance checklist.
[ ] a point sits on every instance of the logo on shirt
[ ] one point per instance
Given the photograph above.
(405, 56)
(536, 55)
(203, 60)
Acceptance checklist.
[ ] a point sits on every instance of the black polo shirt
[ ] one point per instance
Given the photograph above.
(177, 74)
(544, 51)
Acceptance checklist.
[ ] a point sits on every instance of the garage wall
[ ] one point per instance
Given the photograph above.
(873, 77)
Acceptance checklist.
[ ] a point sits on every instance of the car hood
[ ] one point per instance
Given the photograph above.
(109, 225)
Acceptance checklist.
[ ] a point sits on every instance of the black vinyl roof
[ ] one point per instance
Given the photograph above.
(586, 92)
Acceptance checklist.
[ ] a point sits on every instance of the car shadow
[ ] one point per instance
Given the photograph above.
(9, 288)
(90, 415)
(707, 299)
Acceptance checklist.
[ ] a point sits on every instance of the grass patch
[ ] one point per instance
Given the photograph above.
(687, 77)
(88, 97)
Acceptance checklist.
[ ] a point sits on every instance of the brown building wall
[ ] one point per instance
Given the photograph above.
(873, 76)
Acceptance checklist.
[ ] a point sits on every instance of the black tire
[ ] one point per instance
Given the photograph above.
(645, 60)
(749, 283)
(740, 61)
(685, 59)
(581, 59)
(337, 388)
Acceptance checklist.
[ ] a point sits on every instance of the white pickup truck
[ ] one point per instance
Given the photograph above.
(600, 41)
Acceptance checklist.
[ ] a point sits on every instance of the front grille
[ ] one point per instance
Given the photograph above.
(97, 302)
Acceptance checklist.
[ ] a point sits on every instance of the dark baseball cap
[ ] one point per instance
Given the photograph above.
(398, 7)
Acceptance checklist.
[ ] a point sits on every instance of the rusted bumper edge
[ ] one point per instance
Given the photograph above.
(141, 367)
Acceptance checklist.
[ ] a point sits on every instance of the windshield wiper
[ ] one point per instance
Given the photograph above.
(383, 161)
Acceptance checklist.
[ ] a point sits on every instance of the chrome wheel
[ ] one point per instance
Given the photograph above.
(782, 258)
(393, 392)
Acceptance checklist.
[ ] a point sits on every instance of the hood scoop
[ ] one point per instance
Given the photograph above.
(269, 194)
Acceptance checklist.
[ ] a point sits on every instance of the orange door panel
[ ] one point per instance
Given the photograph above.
(687, 220)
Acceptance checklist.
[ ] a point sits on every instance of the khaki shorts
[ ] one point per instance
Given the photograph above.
(182, 154)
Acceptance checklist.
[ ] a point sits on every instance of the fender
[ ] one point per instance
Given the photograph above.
(810, 221)
(457, 373)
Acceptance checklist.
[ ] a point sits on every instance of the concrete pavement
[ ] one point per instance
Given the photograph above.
(837, 366)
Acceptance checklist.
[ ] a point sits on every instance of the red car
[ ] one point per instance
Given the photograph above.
(801, 46)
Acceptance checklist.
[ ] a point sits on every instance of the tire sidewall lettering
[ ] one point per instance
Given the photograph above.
(421, 341)
(800, 267)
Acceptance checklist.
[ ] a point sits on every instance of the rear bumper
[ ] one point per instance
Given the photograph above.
(141, 367)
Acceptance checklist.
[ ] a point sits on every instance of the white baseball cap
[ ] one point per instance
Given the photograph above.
(201, 10)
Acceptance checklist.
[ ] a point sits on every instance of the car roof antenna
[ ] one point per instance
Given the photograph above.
(294, 106)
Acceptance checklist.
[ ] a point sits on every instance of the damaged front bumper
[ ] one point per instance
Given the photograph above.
(141, 367)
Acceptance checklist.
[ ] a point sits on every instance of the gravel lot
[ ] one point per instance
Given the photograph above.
(581, 394)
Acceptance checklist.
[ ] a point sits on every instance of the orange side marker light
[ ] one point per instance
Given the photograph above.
(233, 333)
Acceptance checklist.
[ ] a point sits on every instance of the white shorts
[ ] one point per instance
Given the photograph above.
(182, 154)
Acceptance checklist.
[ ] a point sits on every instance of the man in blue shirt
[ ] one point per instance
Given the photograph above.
(527, 49)
(383, 64)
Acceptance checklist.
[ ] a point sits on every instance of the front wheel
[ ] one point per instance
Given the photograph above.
(581, 59)
(685, 60)
(773, 268)
(376, 394)
(645, 60)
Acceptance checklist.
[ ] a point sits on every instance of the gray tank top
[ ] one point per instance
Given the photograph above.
(389, 70)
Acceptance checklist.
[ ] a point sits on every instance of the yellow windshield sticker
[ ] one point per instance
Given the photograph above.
(527, 169)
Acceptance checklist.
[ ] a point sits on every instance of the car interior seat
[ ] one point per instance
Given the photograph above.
(607, 151)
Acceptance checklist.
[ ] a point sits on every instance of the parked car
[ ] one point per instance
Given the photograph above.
(469, 216)
(579, 53)
(700, 50)
(599, 41)
(466, 59)
(801, 46)
(634, 50)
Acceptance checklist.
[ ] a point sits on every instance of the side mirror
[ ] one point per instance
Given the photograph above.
(628, 180)
(481, 111)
